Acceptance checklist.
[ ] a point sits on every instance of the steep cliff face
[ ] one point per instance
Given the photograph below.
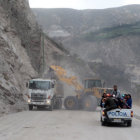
(26, 52)
(20, 52)
(23, 22)
(15, 65)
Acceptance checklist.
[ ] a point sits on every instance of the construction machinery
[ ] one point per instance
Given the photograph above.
(87, 96)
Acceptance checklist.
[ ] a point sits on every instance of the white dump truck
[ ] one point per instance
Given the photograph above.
(42, 94)
(120, 116)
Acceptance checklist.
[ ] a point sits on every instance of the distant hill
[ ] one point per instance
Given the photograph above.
(77, 21)
(108, 37)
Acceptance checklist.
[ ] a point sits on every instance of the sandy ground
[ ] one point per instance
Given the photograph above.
(63, 125)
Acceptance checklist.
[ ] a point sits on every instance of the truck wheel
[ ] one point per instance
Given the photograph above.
(129, 123)
(103, 123)
(51, 107)
(90, 103)
(30, 107)
(58, 103)
(71, 103)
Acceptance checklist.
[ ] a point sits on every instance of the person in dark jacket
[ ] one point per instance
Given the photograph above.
(129, 101)
(122, 103)
(109, 105)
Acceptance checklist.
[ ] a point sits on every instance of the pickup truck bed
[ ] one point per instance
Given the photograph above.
(121, 116)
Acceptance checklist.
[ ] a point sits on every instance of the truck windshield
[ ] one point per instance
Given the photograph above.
(42, 85)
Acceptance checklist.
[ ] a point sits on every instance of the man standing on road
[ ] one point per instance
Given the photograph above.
(116, 92)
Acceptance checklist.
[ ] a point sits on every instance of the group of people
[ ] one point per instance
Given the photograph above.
(115, 100)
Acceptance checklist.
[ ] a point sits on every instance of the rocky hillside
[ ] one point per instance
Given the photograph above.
(107, 39)
(26, 52)
(20, 52)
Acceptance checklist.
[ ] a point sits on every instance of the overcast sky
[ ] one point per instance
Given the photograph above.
(80, 4)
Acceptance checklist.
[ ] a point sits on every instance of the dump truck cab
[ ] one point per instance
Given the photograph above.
(41, 93)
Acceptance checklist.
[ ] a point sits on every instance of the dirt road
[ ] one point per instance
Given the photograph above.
(63, 125)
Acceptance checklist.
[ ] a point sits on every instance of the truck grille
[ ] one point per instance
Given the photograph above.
(38, 97)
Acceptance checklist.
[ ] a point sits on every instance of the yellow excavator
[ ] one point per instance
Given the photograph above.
(87, 96)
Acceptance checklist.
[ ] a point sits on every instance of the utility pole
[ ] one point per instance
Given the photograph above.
(43, 54)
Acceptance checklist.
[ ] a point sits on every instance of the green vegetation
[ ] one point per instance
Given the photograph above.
(113, 32)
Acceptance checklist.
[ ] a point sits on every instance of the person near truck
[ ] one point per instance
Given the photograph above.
(116, 92)
(102, 100)
(122, 103)
(129, 101)
(125, 101)
(109, 104)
